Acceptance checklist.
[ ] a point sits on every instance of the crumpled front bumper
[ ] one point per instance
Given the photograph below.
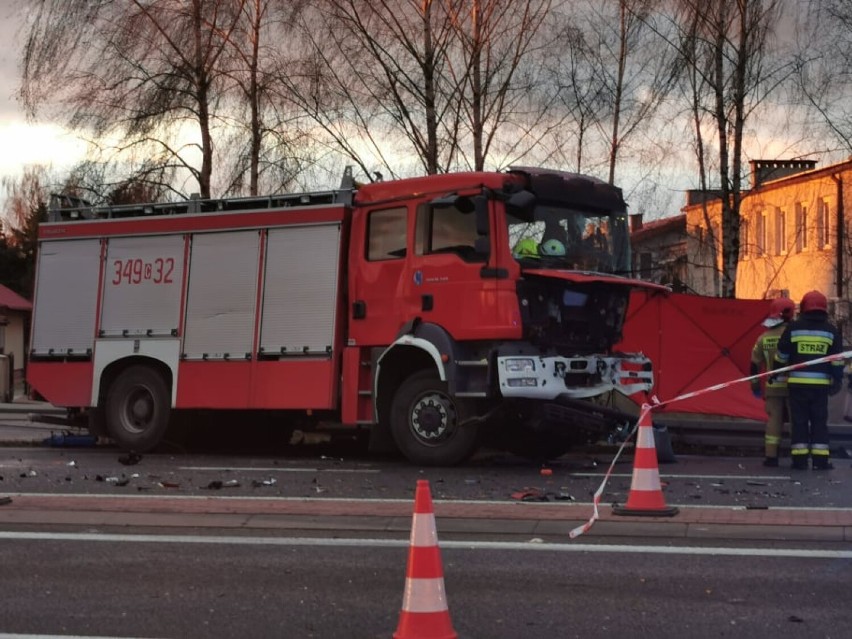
(581, 377)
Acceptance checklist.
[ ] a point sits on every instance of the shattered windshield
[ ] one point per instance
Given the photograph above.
(558, 237)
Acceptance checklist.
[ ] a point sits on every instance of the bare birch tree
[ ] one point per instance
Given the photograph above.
(498, 40)
(726, 47)
(632, 65)
(144, 72)
(433, 80)
(264, 133)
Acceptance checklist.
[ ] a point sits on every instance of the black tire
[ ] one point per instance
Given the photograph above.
(137, 409)
(425, 422)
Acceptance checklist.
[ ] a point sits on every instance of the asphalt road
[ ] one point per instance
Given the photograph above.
(255, 587)
(312, 541)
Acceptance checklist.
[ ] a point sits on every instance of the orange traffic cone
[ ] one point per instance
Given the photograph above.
(646, 494)
(424, 605)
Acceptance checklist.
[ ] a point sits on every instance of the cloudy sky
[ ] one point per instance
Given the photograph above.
(23, 142)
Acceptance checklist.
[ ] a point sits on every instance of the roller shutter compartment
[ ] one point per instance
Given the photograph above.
(222, 295)
(142, 286)
(66, 298)
(300, 290)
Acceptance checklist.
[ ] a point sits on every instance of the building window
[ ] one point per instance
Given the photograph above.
(823, 225)
(780, 232)
(801, 227)
(760, 233)
(386, 234)
(744, 233)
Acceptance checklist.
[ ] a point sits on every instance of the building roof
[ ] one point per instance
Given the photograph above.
(11, 300)
(655, 228)
(805, 175)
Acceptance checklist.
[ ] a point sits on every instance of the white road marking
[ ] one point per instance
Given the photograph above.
(748, 477)
(4, 635)
(278, 469)
(447, 545)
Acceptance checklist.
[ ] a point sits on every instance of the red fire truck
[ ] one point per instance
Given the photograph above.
(432, 311)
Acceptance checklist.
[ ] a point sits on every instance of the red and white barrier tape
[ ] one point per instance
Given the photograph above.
(596, 499)
(584, 528)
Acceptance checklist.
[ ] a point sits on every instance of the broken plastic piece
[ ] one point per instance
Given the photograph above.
(529, 494)
(217, 484)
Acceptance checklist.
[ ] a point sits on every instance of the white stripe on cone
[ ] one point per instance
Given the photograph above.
(645, 438)
(646, 479)
(425, 595)
(424, 533)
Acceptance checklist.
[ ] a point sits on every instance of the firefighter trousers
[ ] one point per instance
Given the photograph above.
(776, 407)
(809, 416)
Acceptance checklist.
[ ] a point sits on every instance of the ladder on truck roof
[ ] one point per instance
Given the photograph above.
(65, 208)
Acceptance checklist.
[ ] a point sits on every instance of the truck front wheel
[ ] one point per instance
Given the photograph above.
(428, 424)
(137, 409)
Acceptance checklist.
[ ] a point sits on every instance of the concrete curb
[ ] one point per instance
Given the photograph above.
(459, 520)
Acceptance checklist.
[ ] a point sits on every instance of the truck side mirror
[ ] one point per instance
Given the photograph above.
(483, 229)
(522, 202)
(480, 208)
(462, 203)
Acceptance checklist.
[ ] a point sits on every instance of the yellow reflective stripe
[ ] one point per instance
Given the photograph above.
(809, 380)
(771, 439)
(799, 451)
(820, 452)
(822, 339)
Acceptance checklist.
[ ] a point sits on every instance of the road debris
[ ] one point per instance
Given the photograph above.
(130, 459)
(218, 484)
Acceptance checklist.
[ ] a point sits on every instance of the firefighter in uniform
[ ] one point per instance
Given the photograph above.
(762, 359)
(809, 337)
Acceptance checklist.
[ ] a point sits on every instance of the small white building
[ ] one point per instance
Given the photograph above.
(15, 314)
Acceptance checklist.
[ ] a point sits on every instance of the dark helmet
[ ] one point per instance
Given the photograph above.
(813, 301)
(781, 310)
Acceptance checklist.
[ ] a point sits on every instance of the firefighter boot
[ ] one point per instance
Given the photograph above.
(822, 463)
(771, 462)
(800, 462)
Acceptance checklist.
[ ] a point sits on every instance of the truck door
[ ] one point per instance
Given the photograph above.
(377, 266)
(449, 282)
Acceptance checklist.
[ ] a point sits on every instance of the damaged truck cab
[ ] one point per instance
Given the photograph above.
(510, 292)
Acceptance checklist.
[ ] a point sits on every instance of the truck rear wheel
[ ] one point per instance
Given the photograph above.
(426, 422)
(137, 409)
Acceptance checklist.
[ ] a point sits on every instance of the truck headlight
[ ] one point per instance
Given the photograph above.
(520, 365)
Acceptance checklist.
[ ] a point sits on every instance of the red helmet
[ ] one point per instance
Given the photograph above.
(813, 301)
(782, 308)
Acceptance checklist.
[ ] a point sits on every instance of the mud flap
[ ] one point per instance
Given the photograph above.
(381, 441)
